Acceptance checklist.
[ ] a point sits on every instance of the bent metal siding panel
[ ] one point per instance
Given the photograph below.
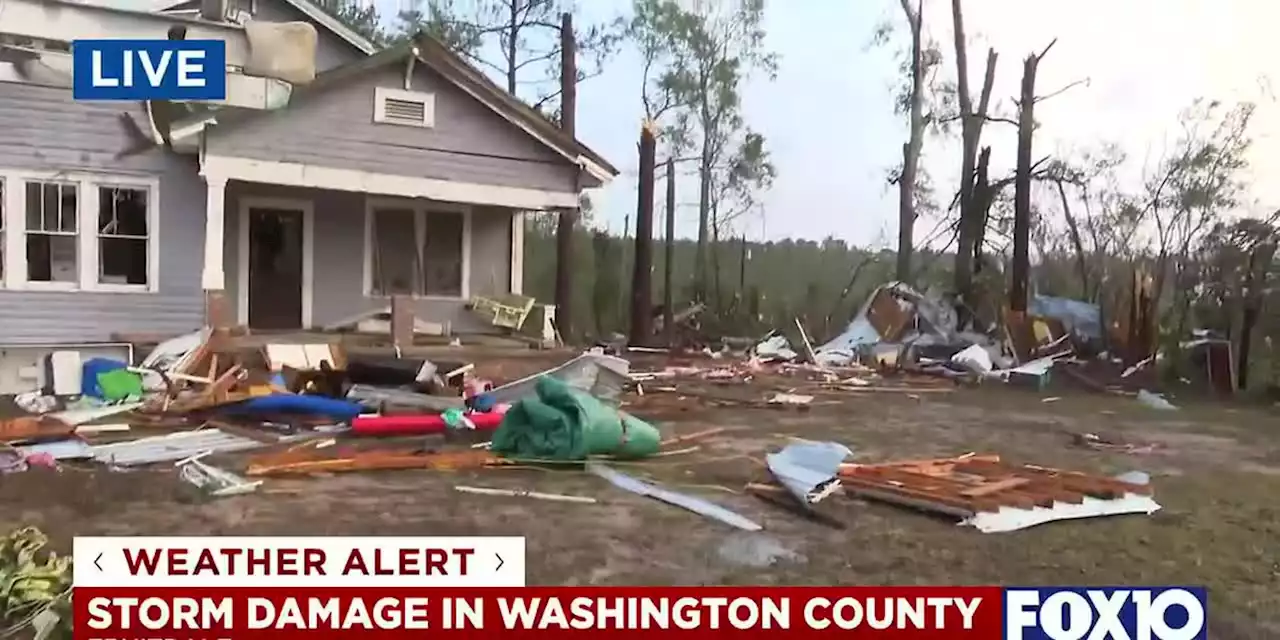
(43, 129)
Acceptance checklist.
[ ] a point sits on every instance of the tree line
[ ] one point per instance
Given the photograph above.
(1067, 224)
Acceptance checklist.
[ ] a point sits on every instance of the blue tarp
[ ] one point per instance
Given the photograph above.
(339, 410)
(1078, 317)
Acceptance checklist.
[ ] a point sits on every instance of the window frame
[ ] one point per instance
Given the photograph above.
(87, 233)
(420, 209)
(151, 240)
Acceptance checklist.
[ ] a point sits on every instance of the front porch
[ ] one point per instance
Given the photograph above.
(300, 257)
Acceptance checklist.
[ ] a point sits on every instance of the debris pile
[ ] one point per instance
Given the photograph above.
(899, 330)
(228, 413)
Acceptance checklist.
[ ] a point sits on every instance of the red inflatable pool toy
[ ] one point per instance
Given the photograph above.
(418, 424)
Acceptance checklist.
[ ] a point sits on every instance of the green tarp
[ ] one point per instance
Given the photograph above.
(559, 422)
(119, 384)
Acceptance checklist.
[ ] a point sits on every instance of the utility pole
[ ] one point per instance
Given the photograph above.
(569, 217)
(642, 271)
(668, 297)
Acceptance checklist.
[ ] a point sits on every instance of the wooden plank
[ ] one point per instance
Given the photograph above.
(994, 487)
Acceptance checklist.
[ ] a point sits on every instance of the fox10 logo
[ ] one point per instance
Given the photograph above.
(149, 69)
(1110, 613)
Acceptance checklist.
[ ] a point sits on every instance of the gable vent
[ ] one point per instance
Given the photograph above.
(409, 108)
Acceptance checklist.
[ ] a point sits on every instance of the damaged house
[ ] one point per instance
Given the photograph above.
(399, 171)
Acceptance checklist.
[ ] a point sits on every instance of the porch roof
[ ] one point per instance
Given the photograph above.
(221, 168)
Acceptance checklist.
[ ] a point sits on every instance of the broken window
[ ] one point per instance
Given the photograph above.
(416, 252)
(123, 234)
(52, 229)
(395, 255)
(442, 253)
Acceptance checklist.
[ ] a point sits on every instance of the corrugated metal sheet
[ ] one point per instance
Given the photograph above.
(59, 450)
(809, 469)
(597, 374)
(692, 503)
(174, 447)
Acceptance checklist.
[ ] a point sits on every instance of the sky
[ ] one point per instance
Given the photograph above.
(829, 121)
(828, 116)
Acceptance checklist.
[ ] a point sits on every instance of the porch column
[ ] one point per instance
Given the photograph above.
(212, 277)
(517, 252)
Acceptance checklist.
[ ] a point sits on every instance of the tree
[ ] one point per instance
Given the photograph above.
(653, 28)
(708, 53)
(526, 37)
(748, 172)
(915, 140)
(1235, 261)
(972, 191)
(1191, 189)
(1018, 288)
(926, 100)
(361, 18)
(438, 19)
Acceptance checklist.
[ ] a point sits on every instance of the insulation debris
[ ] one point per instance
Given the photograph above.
(212, 480)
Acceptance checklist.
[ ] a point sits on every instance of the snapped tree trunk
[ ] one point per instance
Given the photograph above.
(1254, 292)
(701, 271)
(716, 290)
(642, 269)
(567, 220)
(972, 217)
(906, 215)
(512, 49)
(668, 296)
(1021, 268)
(1073, 229)
(984, 195)
(911, 150)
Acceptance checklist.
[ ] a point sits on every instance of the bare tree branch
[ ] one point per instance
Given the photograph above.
(1041, 55)
(1082, 81)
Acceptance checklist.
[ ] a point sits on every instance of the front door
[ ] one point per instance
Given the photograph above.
(275, 268)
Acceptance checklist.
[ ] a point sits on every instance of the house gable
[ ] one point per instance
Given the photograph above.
(334, 126)
(337, 68)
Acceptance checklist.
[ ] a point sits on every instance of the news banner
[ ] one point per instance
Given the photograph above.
(260, 588)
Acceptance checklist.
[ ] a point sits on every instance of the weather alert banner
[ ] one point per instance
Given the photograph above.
(373, 587)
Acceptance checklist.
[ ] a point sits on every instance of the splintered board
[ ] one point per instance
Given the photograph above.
(979, 488)
(303, 357)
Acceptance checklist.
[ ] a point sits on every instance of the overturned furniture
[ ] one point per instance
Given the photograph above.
(505, 312)
(993, 496)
